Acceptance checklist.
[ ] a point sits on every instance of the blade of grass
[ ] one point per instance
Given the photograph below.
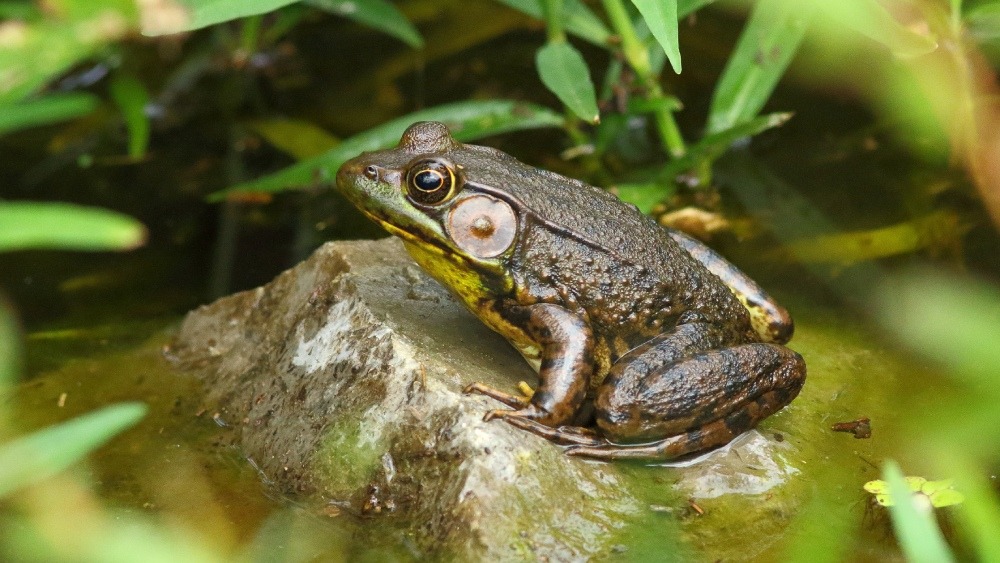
(44, 453)
(300, 139)
(714, 145)
(578, 19)
(766, 46)
(43, 111)
(468, 121)
(915, 527)
(35, 225)
(131, 97)
(377, 14)
(686, 7)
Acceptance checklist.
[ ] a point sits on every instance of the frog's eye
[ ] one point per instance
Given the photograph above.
(430, 181)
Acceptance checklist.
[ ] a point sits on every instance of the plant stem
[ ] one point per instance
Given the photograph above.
(637, 56)
(553, 20)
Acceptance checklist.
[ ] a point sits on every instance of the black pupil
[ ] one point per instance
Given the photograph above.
(428, 180)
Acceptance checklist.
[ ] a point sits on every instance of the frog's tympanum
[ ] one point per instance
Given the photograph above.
(647, 343)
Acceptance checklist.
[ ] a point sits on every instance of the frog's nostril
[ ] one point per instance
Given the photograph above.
(372, 172)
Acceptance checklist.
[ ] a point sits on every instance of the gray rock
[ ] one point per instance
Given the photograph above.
(343, 379)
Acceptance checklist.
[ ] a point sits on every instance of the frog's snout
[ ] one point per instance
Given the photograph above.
(348, 174)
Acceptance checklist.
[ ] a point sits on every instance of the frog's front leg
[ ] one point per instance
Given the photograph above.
(567, 345)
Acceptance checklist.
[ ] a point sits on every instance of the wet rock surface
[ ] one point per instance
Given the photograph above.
(342, 381)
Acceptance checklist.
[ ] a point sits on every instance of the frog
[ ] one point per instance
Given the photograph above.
(647, 343)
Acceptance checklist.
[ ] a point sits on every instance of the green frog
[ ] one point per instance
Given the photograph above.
(647, 343)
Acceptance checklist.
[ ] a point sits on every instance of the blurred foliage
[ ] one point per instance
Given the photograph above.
(924, 65)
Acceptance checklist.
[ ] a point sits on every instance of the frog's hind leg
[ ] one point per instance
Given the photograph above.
(696, 403)
(712, 435)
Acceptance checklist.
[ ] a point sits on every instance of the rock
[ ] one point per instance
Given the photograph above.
(343, 378)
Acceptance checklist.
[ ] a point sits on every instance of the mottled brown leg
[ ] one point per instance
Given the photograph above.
(697, 403)
(567, 348)
(712, 435)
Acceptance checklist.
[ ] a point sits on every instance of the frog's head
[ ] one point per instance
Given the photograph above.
(418, 192)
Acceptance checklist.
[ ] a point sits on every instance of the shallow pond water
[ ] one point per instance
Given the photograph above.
(179, 464)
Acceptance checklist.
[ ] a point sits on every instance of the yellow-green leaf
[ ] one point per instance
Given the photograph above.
(37, 225)
(300, 139)
(44, 453)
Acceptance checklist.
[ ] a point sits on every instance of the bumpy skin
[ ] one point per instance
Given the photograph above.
(642, 350)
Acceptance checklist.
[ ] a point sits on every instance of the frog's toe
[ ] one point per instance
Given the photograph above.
(497, 413)
(512, 401)
(664, 449)
(563, 435)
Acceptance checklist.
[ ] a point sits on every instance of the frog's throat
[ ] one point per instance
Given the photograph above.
(440, 257)
(480, 296)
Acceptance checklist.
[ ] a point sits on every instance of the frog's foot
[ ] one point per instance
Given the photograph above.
(562, 435)
(712, 435)
(512, 401)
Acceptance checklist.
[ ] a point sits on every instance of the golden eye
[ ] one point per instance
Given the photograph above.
(430, 181)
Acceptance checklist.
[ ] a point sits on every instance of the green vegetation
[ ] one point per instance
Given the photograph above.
(928, 67)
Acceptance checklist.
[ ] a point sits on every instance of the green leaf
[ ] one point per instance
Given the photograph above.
(915, 526)
(468, 121)
(579, 19)
(766, 46)
(132, 98)
(300, 139)
(871, 19)
(564, 72)
(378, 14)
(714, 145)
(210, 12)
(686, 7)
(661, 17)
(44, 453)
(644, 196)
(34, 225)
(43, 111)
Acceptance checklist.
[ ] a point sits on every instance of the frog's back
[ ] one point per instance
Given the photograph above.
(617, 263)
(583, 210)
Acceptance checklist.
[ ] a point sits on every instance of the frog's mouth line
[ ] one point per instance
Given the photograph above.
(413, 238)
